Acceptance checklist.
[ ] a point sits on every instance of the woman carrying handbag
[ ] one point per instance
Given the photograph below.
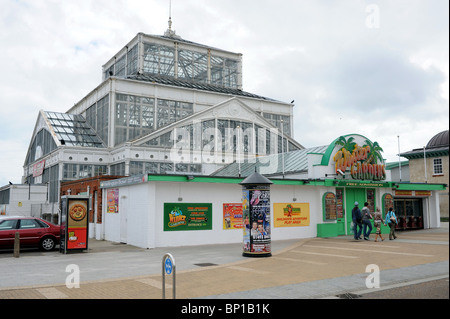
(391, 220)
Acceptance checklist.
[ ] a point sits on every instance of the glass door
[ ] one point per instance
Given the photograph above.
(409, 213)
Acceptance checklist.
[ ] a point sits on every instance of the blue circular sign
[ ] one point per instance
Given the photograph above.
(168, 265)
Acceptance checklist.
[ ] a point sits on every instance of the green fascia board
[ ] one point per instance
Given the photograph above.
(207, 179)
(419, 187)
(326, 182)
(429, 153)
(287, 182)
(221, 179)
(361, 183)
(195, 179)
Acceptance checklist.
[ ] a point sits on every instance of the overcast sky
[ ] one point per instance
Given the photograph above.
(373, 67)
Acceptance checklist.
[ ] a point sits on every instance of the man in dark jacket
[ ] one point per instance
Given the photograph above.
(357, 221)
(366, 217)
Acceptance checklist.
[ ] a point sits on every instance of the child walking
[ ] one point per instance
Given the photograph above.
(377, 220)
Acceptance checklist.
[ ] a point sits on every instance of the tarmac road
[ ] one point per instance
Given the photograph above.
(433, 289)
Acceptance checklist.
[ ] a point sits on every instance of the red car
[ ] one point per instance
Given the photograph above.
(34, 232)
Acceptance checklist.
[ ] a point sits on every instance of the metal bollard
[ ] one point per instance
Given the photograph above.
(17, 245)
(168, 266)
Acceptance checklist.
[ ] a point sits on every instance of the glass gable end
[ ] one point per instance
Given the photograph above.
(73, 130)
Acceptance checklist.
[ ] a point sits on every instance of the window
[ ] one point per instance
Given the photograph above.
(97, 116)
(84, 171)
(437, 166)
(132, 58)
(224, 72)
(169, 111)
(41, 224)
(120, 66)
(329, 206)
(100, 170)
(134, 117)
(159, 59)
(28, 224)
(8, 224)
(136, 168)
(118, 169)
(42, 145)
(192, 66)
(371, 199)
(278, 120)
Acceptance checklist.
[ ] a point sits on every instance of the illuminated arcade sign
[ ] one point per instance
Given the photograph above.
(361, 160)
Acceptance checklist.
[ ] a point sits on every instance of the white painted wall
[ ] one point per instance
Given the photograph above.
(143, 205)
(214, 193)
(141, 209)
(23, 196)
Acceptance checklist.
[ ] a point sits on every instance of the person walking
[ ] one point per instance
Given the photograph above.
(357, 221)
(366, 217)
(377, 220)
(391, 220)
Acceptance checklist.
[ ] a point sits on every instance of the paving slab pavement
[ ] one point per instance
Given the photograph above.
(298, 269)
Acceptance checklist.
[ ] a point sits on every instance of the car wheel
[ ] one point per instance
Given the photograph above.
(47, 244)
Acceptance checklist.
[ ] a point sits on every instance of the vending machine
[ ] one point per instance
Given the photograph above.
(74, 223)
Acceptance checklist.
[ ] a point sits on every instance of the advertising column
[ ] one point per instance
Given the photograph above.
(74, 223)
(256, 216)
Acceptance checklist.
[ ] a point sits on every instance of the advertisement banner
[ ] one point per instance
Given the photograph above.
(187, 216)
(290, 214)
(232, 216)
(256, 216)
(38, 168)
(112, 200)
(74, 223)
(77, 224)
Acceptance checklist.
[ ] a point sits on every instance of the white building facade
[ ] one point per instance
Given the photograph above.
(312, 195)
(165, 106)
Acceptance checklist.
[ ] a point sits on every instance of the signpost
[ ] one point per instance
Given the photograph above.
(168, 267)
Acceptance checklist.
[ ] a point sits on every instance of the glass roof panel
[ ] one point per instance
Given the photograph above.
(73, 130)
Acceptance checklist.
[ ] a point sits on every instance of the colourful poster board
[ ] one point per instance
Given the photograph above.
(77, 223)
(187, 216)
(74, 223)
(232, 216)
(256, 215)
(112, 200)
(291, 214)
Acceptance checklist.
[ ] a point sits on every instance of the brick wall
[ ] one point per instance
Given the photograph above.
(81, 186)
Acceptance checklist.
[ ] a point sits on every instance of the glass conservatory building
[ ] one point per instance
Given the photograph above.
(165, 106)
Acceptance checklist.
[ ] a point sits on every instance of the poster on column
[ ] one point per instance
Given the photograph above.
(246, 220)
(259, 220)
